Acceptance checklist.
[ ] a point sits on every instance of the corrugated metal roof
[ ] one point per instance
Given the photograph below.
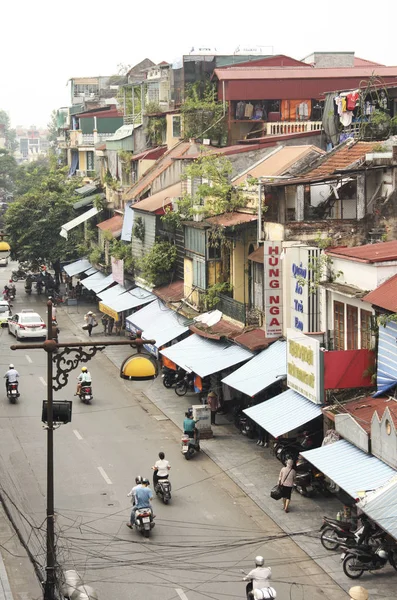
(86, 190)
(350, 468)
(108, 295)
(385, 296)
(173, 292)
(232, 219)
(88, 282)
(132, 299)
(88, 200)
(151, 154)
(103, 284)
(362, 410)
(254, 340)
(386, 376)
(114, 225)
(77, 267)
(91, 271)
(369, 253)
(381, 507)
(283, 413)
(168, 326)
(160, 200)
(78, 221)
(263, 73)
(124, 131)
(265, 368)
(204, 357)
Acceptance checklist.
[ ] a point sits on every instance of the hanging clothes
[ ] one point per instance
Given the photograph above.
(303, 111)
(240, 110)
(290, 110)
(346, 118)
(352, 100)
(338, 102)
(249, 110)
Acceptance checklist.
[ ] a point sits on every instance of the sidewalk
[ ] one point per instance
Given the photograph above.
(255, 470)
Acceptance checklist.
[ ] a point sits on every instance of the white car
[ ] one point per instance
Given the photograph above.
(27, 324)
(5, 313)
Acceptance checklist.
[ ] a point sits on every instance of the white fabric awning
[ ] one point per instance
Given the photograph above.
(265, 368)
(107, 295)
(157, 322)
(77, 267)
(103, 284)
(283, 413)
(132, 299)
(204, 357)
(92, 279)
(78, 221)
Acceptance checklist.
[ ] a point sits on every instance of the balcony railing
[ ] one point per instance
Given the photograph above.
(232, 308)
(286, 127)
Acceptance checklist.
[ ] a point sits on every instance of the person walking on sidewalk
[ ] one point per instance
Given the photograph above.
(286, 481)
(118, 326)
(104, 321)
(91, 321)
(110, 325)
(213, 403)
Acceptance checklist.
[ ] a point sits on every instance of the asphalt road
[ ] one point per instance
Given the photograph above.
(202, 539)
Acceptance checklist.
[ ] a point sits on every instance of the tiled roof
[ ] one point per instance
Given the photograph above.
(341, 158)
(363, 409)
(158, 202)
(114, 225)
(369, 253)
(231, 219)
(385, 296)
(254, 340)
(173, 292)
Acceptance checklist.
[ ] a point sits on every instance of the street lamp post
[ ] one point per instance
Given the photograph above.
(66, 358)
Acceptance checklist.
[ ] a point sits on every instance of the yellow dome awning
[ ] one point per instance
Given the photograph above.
(139, 367)
(4, 247)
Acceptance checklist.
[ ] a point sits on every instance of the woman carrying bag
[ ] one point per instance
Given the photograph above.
(286, 482)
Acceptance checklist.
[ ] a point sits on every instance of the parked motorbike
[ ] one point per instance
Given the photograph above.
(246, 426)
(163, 490)
(144, 521)
(285, 448)
(19, 275)
(309, 481)
(189, 446)
(184, 385)
(86, 393)
(367, 558)
(336, 533)
(171, 377)
(13, 392)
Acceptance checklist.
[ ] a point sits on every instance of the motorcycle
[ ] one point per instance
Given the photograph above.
(184, 385)
(189, 446)
(246, 426)
(163, 490)
(28, 288)
(309, 481)
(86, 393)
(19, 275)
(12, 392)
(171, 377)
(265, 593)
(367, 558)
(285, 448)
(39, 287)
(144, 521)
(336, 533)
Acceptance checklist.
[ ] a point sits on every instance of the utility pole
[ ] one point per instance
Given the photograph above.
(62, 356)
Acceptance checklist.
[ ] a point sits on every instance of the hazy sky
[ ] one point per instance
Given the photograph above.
(45, 42)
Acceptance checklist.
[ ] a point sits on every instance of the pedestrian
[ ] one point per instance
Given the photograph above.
(110, 325)
(79, 289)
(118, 326)
(286, 481)
(213, 403)
(105, 321)
(358, 592)
(91, 321)
(263, 437)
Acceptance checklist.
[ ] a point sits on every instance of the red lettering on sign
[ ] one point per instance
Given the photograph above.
(273, 261)
(274, 284)
(274, 272)
(274, 300)
(274, 310)
(275, 250)
(274, 322)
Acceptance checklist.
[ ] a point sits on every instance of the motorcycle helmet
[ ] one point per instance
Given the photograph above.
(145, 481)
(138, 479)
(382, 553)
(84, 369)
(11, 366)
(259, 561)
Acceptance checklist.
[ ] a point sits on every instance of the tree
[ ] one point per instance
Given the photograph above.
(8, 168)
(52, 127)
(203, 116)
(34, 220)
(10, 134)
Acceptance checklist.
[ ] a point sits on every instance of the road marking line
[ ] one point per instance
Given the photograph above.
(76, 433)
(181, 594)
(43, 381)
(28, 358)
(103, 473)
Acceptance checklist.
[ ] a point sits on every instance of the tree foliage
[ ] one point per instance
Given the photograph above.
(10, 134)
(157, 266)
(203, 116)
(8, 169)
(43, 203)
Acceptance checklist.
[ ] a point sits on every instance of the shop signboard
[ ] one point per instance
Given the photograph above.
(132, 328)
(305, 366)
(273, 304)
(108, 311)
(118, 270)
(304, 299)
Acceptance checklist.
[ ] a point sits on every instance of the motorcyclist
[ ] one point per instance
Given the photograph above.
(259, 576)
(12, 289)
(160, 468)
(84, 377)
(6, 293)
(53, 309)
(189, 425)
(28, 282)
(138, 484)
(143, 496)
(11, 376)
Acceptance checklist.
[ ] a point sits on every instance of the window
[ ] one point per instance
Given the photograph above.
(339, 326)
(90, 161)
(214, 252)
(195, 240)
(176, 127)
(366, 329)
(352, 327)
(199, 273)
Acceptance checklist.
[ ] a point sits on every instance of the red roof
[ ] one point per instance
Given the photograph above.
(221, 329)
(369, 253)
(151, 154)
(263, 73)
(362, 410)
(385, 296)
(231, 219)
(278, 60)
(114, 225)
(111, 112)
(363, 62)
(341, 157)
(173, 292)
(254, 340)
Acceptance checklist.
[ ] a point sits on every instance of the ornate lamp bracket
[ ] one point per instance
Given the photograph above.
(67, 360)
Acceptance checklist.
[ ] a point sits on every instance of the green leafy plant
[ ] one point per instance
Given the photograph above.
(171, 219)
(211, 297)
(122, 251)
(203, 116)
(152, 108)
(100, 202)
(95, 256)
(157, 265)
(125, 158)
(155, 130)
(138, 229)
(319, 266)
(383, 320)
(110, 181)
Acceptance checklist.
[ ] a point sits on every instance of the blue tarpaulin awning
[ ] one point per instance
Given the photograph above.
(387, 358)
(128, 221)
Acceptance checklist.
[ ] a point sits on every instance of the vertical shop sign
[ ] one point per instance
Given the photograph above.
(273, 305)
(118, 270)
(304, 300)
